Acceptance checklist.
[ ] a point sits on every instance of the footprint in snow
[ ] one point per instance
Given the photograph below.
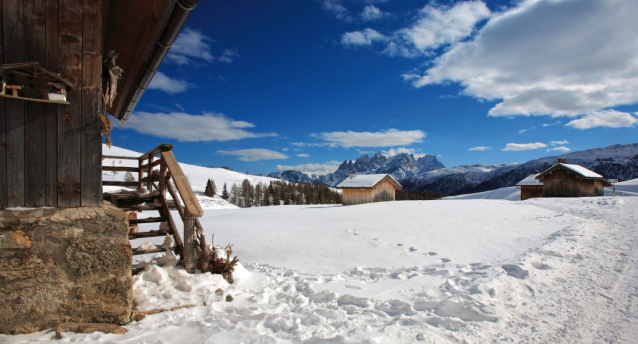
(413, 249)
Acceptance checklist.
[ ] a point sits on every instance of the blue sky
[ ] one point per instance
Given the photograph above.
(304, 84)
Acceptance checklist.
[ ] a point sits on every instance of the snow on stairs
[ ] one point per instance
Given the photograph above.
(149, 193)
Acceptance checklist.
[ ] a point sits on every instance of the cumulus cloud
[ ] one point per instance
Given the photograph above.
(185, 127)
(303, 155)
(556, 58)
(254, 154)
(336, 8)
(371, 12)
(403, 150)
(559, 143)
(388, 138)
(312, 169)
(559, 149)
(605, 118)
(360, 38)
(438, 25)
(167, 84)
(514, 147)
(480, 148)
(191, 45)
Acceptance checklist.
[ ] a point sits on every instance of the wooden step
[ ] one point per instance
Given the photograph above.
(151, 250)
(150, 234)
(146, 220)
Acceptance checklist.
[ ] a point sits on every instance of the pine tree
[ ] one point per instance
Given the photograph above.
(225, 192)
(210, 188)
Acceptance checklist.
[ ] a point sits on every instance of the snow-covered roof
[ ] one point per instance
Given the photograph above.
(582, 171)
(530, 181)
(365, 181)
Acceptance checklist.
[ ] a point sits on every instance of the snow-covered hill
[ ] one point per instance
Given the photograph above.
(197, 175)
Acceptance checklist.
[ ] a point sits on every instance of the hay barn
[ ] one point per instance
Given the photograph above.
(568, 180)
(530, 187)
(368, 188)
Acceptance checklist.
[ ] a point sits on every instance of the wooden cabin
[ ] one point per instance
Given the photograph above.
(569, 180)
(530, 187)
(63, 65)
(368, 188)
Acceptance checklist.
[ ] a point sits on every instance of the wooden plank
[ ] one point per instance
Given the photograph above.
(70, 119)
(115, 157)
(171, 222)
(117, 183)
(31, 99)
(119, 168)
(51, 134)
(3, 132)
(183, 187)
(34, 115)
(13, 37)
(92, 46)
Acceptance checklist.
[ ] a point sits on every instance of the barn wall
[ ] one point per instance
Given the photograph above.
(50, 155)
(531, 191)
(384, 191)
(561, 183)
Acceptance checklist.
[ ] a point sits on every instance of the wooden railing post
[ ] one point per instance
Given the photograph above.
(149, 173)
(189, 243)
(140, 175)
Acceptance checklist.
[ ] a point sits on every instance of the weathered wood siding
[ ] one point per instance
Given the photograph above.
(50, 155)
(382, 192)
(531, 191)
(562, 183)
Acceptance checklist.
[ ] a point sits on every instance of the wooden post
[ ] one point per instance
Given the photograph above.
(162, 179)
(140, 175)
(149, 173)
(189, 245)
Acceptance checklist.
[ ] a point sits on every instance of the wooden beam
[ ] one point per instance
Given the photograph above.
(51, 129)
(183, 186)
(117, 157)
(3, 132)
(119, 168)
(117, 183)
(93, 22)
(70, 119)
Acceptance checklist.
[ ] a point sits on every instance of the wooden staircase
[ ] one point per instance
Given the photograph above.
(158, 172)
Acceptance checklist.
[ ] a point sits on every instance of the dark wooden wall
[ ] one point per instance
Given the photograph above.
(561, 183)
(50, 155)
(531, 191)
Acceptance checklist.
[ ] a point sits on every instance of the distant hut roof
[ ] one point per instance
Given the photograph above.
(141, 32)
(530, 181)
(366, 181)
(577, 169)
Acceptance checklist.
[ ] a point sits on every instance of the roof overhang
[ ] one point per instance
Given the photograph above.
(387, 177)
(141, 32)
(543, 174)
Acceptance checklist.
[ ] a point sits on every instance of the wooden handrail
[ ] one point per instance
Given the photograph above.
(191, 204)
(164, 147)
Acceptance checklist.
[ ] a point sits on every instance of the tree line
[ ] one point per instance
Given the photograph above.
(274, 193)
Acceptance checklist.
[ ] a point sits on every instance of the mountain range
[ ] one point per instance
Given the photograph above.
(428, 174)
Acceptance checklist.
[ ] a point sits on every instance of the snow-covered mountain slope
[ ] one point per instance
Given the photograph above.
(197, 175)
(400, 166)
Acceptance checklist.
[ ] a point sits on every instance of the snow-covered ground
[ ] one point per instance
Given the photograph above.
(403, 272)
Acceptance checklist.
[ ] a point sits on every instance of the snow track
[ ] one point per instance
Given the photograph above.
(574, 280)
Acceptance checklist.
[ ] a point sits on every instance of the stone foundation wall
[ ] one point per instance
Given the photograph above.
(64, 265)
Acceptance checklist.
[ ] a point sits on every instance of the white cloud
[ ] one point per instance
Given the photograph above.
(438, 25)
(546, 125)
(228, 55)
(167, 84)
(254, 154)
(556, 58)
(403, 150)
(371, 12)
(514, 147)
(523, 131)
(559, 143)
(311, 169)
(359, 38)
(605, 118)
(303, 155)
(480, 148)
(314, 144)
(192, 128)
(337, 9)
(559, 149)
(388, 138)
(191, 45)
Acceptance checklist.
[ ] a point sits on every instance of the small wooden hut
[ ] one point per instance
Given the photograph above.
(568, 180)
(530, 187)
(368, 188)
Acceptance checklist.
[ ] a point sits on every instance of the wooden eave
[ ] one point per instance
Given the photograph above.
(141, 32)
